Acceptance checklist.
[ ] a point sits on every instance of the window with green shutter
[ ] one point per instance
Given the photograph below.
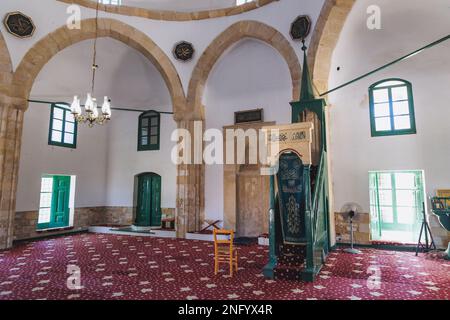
(63, 127)
(149, 131)
(391, 108)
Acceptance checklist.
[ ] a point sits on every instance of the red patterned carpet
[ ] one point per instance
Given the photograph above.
(125, 267)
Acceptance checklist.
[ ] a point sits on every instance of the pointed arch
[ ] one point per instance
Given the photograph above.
(324, 40)
(233, 34)
(19, 84)
(35, 59)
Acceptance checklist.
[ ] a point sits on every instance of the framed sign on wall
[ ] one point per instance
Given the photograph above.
(183, 51)
(255, 115)
(19, 24)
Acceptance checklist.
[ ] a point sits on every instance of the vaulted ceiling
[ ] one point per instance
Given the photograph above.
(124, 74)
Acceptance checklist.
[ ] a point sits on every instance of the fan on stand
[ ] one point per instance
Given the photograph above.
(351, 212)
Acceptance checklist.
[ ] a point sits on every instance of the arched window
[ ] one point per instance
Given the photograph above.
(391, 108)
(149, 128)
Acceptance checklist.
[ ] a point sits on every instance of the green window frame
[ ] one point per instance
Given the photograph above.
(394, 204)
(391, 108)
(63, 128)
(149, 131)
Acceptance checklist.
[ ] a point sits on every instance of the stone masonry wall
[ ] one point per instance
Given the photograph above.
(25, 223)
(362, 230)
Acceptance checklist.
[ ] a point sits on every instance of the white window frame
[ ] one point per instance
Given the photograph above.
(241, 2)
(111, 2)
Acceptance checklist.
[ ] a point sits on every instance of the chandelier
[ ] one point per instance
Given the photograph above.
(91, 115)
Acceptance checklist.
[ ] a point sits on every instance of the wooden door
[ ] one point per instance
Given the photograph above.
(148, 211)
(252, 202)
(155, 209)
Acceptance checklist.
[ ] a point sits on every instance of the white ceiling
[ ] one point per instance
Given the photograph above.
(180, 5)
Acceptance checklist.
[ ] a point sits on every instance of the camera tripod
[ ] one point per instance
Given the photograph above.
(425, 229)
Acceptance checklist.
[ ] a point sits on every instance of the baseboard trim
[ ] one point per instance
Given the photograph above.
(48, 235)
(406, 248)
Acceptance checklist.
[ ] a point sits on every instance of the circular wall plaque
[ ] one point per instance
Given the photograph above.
(19, 24)
(183, 51)
(300, 28)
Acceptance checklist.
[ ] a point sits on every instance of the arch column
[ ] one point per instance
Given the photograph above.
(191, 182)
(11, 124)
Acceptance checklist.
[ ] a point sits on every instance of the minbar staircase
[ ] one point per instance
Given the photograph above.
(304, 260)
(291, 262)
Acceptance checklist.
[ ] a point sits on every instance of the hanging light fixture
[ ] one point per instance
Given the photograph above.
(91, 115)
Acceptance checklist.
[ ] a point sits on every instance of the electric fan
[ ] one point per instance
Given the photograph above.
(351, 212)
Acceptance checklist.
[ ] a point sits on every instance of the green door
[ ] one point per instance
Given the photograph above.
(54, 208)
(60, 202)
(148, 210)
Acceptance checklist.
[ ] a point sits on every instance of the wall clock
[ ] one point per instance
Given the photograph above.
(19, 24)
(183, 51)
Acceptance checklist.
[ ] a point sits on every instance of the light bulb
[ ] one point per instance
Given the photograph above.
(75, 106)
(89, 105)
(78, 110)
(94, 110)
(106, 108)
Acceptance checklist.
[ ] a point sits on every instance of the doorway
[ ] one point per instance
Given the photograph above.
(54, 203)
(396, 205)
(252, 193)
(148, 208)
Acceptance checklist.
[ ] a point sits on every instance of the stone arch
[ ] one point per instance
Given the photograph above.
(324, 40)
(5, 70)
(191, 178)
(167, 15)
(233, 34)
(35, 59)
(326, 35)
(18, 86)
